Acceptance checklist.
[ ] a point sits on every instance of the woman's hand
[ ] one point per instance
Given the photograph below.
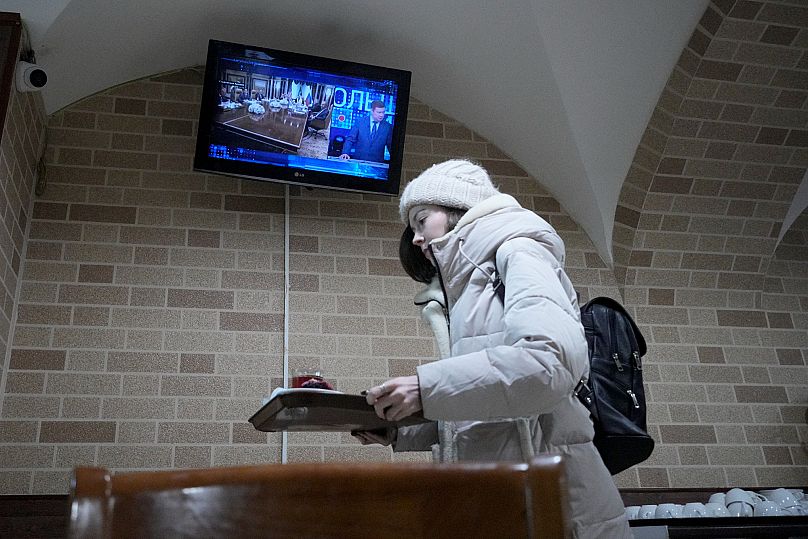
(396, 399)
(384, 436)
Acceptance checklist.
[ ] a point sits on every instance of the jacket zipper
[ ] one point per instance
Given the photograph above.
(442, 288)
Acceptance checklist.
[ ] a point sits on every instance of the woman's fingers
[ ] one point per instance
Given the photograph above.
(366, 437)
(376, 392)
(359, 435)
(395, 406)
(377, 397)
(395, 399)
(400, 411)
(387, 405)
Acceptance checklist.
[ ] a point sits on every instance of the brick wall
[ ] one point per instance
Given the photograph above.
(20, 149)
(150, 314)
(696, 251)
(151, 310)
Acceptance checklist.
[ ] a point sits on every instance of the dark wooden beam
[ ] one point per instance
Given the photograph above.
(10, 33)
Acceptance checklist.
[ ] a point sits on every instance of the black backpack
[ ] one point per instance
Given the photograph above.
(614, 393)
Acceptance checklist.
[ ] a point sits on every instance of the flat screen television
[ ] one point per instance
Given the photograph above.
(288, 117)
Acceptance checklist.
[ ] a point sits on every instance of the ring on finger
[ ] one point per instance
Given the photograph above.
(383, 388)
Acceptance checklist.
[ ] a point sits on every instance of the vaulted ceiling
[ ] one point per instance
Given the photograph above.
(565, 87)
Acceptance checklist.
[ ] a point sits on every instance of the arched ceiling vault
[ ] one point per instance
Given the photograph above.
(565, 87)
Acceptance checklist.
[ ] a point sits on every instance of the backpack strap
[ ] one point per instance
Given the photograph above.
(583, 393)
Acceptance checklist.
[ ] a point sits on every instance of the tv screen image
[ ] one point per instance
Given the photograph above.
(282, 116)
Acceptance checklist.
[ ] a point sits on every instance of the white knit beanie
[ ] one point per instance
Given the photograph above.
(456, 183)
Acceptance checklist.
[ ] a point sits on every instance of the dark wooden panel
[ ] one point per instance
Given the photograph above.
(10, 31)
(25, 517)
(370, 500)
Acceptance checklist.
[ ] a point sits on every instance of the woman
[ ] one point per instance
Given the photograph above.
(503, 389)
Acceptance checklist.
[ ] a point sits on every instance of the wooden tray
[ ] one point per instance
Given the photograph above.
(295, 410)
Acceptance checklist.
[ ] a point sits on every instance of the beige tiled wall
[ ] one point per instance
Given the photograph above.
(150, 313)
(151, 310)
(20, 150)
(696, 250)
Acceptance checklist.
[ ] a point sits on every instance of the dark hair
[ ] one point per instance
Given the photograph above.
(412, 258)
(453, 217)
(376, 105)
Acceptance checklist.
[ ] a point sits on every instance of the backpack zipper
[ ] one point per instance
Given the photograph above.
(616, 360)
(633, 398)
(637, 361)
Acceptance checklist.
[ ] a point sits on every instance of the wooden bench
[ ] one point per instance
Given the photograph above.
(324, 500)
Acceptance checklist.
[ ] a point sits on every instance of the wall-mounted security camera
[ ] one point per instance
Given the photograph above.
(30, 77)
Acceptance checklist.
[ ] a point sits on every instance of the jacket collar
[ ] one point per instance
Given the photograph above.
(486, 207)
(478, 235)
(462, 248)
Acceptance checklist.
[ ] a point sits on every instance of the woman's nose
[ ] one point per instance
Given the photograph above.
(417, 240)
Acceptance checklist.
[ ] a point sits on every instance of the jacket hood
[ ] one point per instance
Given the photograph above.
(479, 234)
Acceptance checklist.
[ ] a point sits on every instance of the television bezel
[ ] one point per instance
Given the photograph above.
(203, 162)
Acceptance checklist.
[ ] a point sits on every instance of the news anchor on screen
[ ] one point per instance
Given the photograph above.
(369, 136)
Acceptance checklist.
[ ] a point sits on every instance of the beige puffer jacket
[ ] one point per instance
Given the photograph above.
(505, 391)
